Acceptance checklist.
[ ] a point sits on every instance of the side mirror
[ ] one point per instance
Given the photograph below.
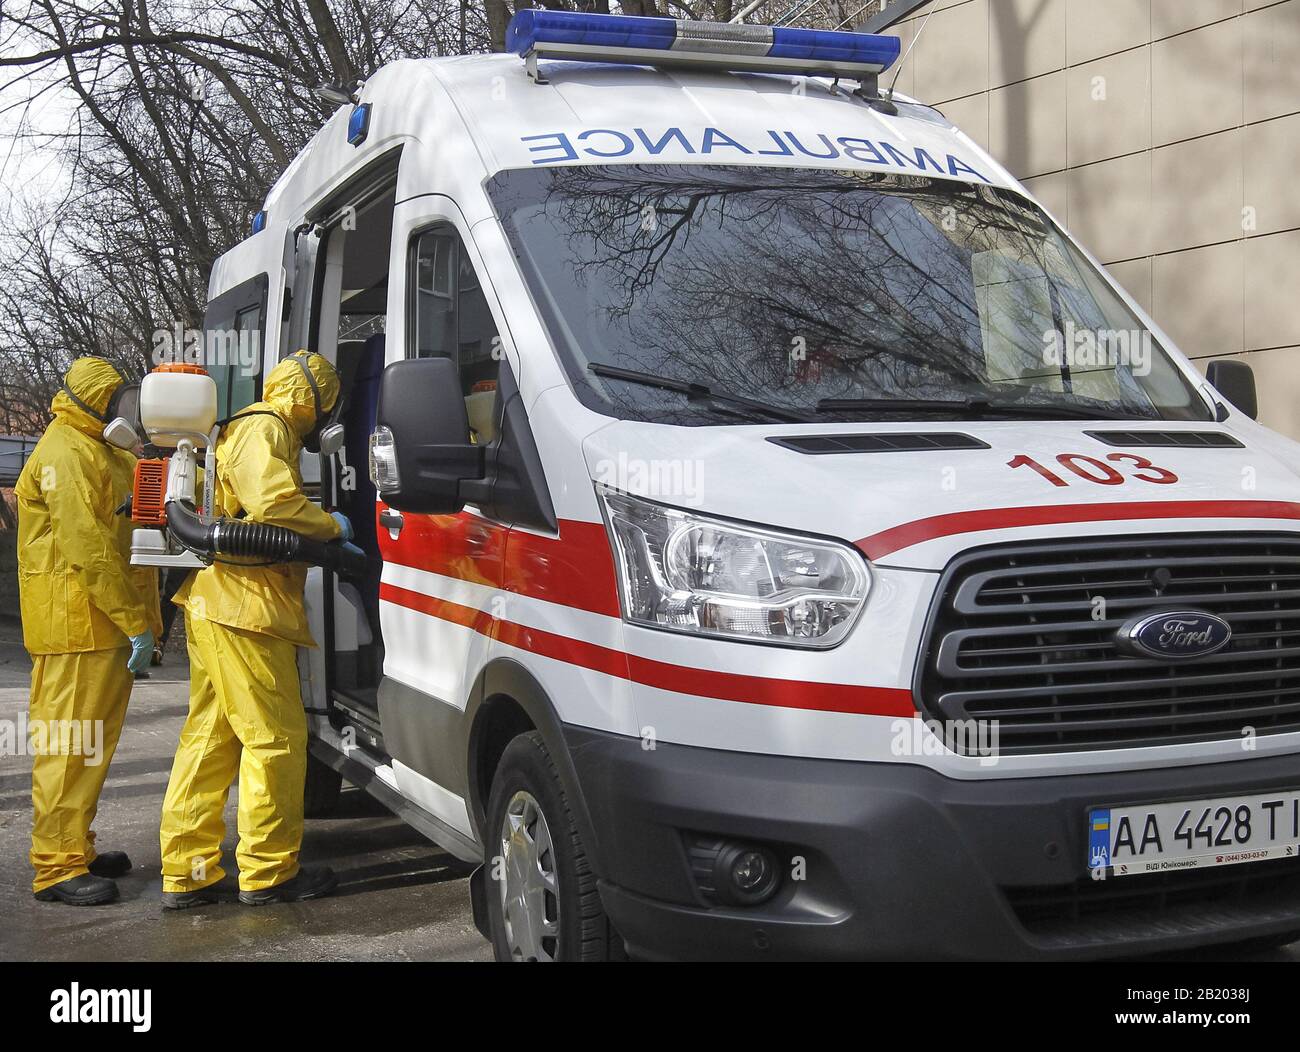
(420, 452)
(1236, 382)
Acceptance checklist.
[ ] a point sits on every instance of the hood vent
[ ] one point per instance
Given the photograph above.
(1201, 439)
(821, 445)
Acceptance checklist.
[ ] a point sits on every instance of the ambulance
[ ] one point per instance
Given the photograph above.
(784, 540)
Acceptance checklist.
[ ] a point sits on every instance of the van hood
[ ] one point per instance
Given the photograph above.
(985, 483)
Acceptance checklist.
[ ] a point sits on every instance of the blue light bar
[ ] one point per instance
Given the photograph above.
(636, 39)
(531, 27)
(359, 124)
(259, 222)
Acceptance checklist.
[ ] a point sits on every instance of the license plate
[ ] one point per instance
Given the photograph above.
(1163, 838)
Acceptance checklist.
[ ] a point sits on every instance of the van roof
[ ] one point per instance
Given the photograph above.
(591, 112)
(602, 113)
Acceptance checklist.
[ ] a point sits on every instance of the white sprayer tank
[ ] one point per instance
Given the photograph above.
(177, 401)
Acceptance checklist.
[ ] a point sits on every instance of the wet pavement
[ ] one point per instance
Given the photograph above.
(400, 897)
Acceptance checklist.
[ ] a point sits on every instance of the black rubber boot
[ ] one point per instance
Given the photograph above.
(83, 890)
(111, 864)
(185, 900)
(312, 882)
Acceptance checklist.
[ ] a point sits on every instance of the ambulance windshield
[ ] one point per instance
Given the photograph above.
(697, 294)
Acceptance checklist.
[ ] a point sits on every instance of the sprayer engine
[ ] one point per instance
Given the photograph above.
(178, 412)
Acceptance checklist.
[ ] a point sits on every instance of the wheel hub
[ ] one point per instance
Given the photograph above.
(530, 891)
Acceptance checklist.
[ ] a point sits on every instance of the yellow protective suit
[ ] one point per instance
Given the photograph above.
(80, 600)
(244, 624)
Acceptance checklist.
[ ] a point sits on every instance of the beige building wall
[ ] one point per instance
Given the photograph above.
(1165, 134)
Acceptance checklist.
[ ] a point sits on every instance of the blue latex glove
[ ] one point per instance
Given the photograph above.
(354, 549)
(141, 652)
(345, 527)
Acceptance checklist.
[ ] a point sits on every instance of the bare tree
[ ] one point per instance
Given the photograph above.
(180, 127)
(183, 118)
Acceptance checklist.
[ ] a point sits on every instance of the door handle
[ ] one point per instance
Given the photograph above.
(392, 519)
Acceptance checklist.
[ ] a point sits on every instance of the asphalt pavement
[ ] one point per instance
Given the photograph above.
(400, 897)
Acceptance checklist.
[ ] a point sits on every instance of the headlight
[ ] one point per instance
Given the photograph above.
(690, 573)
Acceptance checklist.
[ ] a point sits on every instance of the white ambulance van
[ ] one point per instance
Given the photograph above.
(785, 540)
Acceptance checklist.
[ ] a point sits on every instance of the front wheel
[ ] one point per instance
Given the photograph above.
(541, 893)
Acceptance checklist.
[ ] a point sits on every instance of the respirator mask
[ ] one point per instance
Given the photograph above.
(327, 436)
(122, 416)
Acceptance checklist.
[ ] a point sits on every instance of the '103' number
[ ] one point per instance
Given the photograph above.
(1093, 470)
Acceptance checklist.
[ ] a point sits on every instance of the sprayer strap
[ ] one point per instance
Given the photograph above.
(253, 412)
(242, 416)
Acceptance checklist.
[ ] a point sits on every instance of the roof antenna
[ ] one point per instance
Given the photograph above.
(888, 94)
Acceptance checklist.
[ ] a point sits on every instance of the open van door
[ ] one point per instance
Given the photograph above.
(246, 328)
(244, 321)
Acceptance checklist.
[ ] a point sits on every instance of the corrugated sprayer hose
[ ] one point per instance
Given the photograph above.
(257, 540)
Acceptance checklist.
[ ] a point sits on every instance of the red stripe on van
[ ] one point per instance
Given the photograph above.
(467, 547)
(574, 569)
(704, 683)
(878, 545)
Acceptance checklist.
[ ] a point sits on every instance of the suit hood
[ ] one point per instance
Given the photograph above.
(289, 392)
(93, 380)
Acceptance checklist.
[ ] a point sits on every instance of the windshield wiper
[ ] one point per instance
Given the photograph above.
(894, 405)
(970, 405)
(695, 392)
(1054, 411)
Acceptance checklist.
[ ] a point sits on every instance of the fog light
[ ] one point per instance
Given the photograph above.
(745, 875)
(732, 873)
(750, 872)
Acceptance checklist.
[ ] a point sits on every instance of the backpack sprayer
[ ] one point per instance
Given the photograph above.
(178, 411)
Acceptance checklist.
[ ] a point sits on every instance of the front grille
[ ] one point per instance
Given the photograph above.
(1025, 635)
(1192, 902)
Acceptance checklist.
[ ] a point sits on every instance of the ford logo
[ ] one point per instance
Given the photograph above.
(1175, 634)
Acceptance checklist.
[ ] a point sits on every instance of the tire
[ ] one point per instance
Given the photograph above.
(320, 792)
(526, 788)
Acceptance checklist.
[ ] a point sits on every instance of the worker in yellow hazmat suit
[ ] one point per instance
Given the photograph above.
(244, 624)
(87, 624)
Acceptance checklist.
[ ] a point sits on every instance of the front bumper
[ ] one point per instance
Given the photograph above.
(901, 863)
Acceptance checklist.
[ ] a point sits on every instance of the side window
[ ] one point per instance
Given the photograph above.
(234, 327)
(477, 343)
(451, 319)
(243, 379)
(435, 303)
